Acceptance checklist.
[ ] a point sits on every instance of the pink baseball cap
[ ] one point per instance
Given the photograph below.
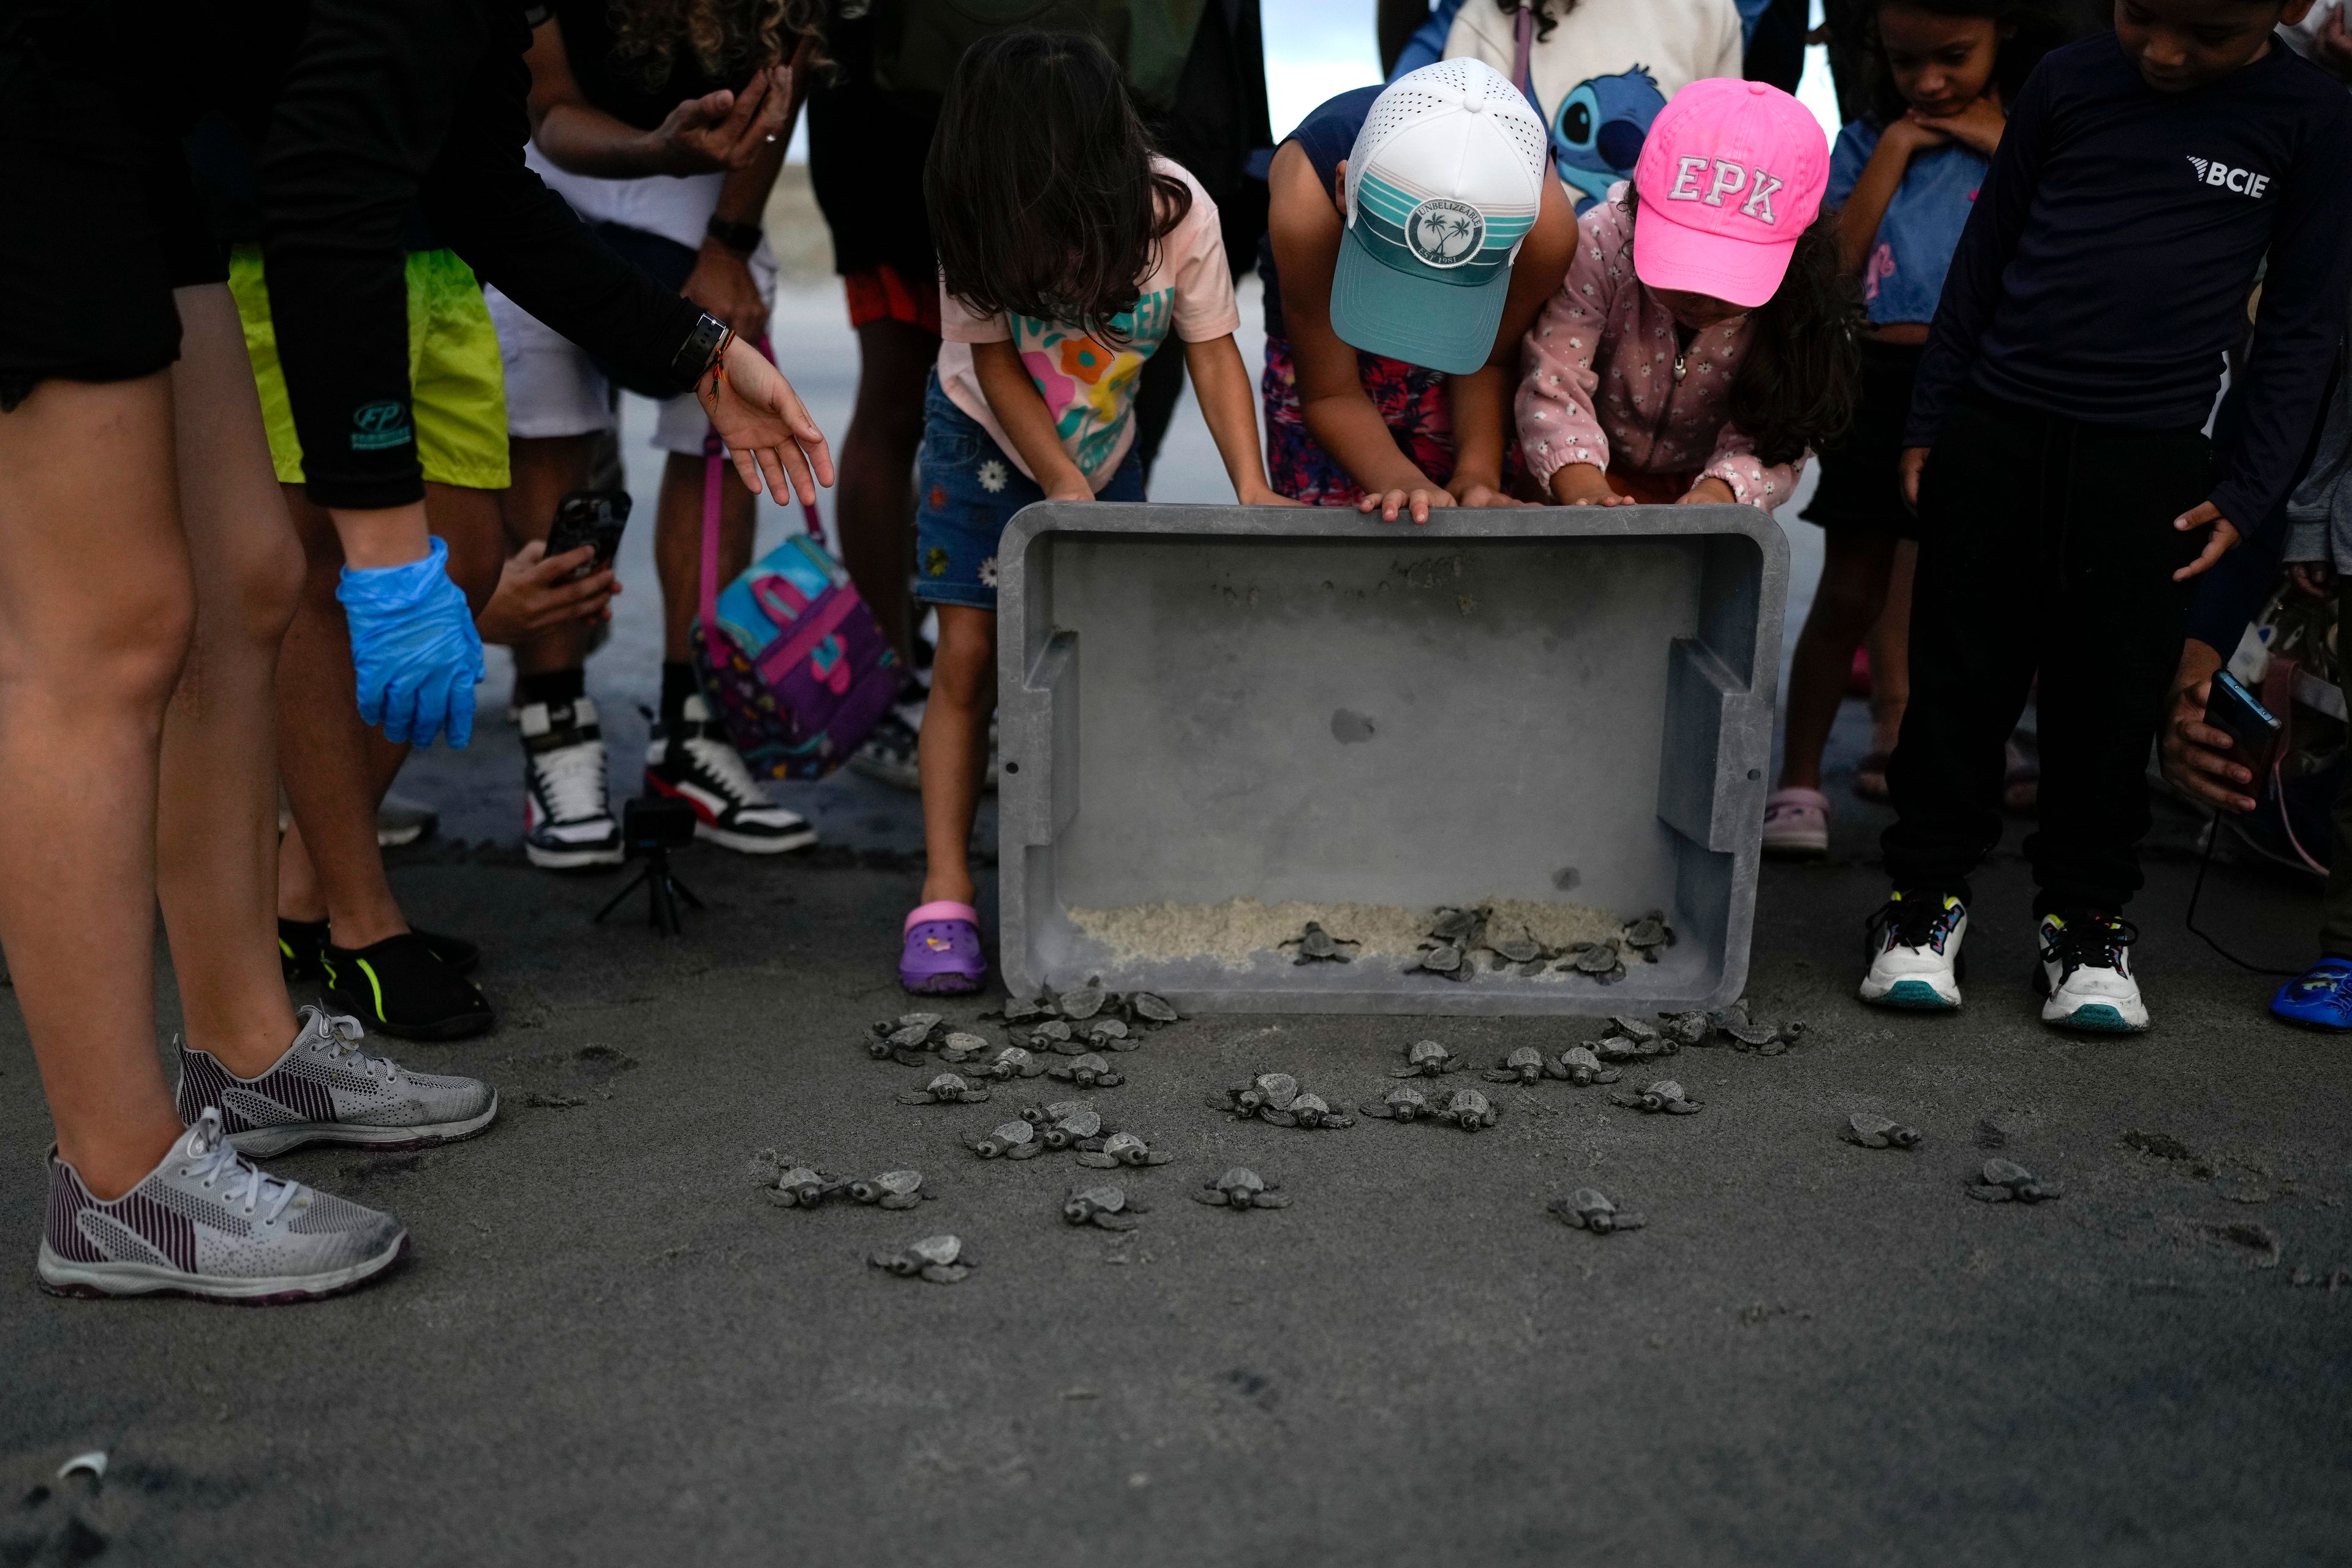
(1730, 176)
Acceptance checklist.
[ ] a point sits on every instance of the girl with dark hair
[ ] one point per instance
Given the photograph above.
(1702, 341)
(1070, 253)
(1902, 178)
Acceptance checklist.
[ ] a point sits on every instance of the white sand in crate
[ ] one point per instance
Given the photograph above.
(1239, 931)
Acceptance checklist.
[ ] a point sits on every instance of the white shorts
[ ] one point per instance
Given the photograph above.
(553, 387)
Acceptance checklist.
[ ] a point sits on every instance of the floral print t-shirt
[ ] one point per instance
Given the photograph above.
(1089, 386)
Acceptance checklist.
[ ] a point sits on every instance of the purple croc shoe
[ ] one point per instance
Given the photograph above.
(942, 956)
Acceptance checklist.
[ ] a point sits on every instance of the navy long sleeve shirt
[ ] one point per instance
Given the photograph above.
(2106, 268)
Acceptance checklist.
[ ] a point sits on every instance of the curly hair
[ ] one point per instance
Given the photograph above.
(1548, 13)
(1044, 201)
(726, 39)
(2036, 30)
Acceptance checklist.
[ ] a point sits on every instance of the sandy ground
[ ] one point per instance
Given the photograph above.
(607, 1349)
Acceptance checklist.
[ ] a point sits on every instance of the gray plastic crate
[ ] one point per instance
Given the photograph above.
(1544, 702)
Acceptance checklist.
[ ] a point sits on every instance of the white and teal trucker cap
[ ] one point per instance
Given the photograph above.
(1442, 184)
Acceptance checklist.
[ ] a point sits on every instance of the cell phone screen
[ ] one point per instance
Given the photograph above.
(2232, 709)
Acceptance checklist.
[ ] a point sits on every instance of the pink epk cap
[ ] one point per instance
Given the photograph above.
(1731, 173)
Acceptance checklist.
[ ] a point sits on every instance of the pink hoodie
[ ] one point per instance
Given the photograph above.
(1648, 419)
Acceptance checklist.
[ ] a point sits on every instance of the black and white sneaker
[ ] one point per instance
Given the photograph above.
(567, 822)
(2086, 975)
(701, 767)
(889, 753)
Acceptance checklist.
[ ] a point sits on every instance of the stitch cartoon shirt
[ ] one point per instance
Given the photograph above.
(1602, 76)
(1089, 386)
(1913, 248)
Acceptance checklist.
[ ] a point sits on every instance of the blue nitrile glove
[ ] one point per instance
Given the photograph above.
(415, 651)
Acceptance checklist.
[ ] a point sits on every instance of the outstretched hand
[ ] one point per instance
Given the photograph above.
(722, 131)
(2224, 539)
(765, 425)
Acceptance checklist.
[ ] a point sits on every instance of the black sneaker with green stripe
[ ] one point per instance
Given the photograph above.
(299, 944)
(402, 987)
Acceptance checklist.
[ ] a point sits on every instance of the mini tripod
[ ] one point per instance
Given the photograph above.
(651, 826)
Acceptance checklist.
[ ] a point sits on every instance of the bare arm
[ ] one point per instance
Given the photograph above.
(1221, 384)
(1012, 398)
(720, 131)
(722, 281)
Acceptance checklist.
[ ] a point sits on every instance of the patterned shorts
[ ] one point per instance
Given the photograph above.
(966, 490)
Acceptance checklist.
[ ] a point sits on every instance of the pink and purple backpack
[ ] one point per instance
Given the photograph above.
(788, 658)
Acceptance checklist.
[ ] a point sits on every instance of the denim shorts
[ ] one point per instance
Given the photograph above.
(966, 490)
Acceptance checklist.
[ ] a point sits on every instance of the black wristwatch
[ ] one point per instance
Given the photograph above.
(701, 348)
(742, 239)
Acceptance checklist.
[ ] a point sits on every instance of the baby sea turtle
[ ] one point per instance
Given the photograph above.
(1088, 1071)
(2004, 1181)
(1634, 1028)
(1309, 1111)
(1618, 1048)
(1601, 960)
(1317, 945)
(1648, 935)
(1085, 1001)
(1121, 1148)
(941, 1259)
(1685, 1029)
(1403, 1103)
(789, 1185)
(1046, 1115)
(1582, 1067)
(1010, 1139)
(1764, 1039)
(1665, 1095)
(1055, 1035)
(947, 1088)
(1455, 925)
(1153, 1007)
(891, 1190)
(1521, 949)
(1525, 1064)
(1277, 1090)
(962, 1046)
(1111, 1034)
(1107, 1206)
(1068, 1131)
(1009, 1063)
(1878, 1133)
(1427, 1058)
(1468, 1109)
(1446, 960)
(1589, 1209)
(1242, 1188)
(1016, 1011)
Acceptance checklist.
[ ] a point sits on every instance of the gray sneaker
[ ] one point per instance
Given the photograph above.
(206, 1223)
(326, 1089)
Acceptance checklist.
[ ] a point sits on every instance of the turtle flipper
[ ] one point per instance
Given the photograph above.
(1404, 1072)
(945, 1273)
(1209, 1195)
(1154, 1157)
(1501, 1075)
(905, 1098)
(1025, 1150)
(1279, 1118)
(1097, 1160)
(900, 1200)
(1375, 1107)
(1270, 1200)
(1116, 1221)
(974, 1096)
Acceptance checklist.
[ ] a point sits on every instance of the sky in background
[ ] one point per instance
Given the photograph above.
(1316, 48)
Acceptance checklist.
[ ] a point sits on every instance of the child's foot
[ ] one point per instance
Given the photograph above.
(942, 956)
(1915, 951)
(1870, 777)
(2320, 999)
(1797, 823)
(2086, 975)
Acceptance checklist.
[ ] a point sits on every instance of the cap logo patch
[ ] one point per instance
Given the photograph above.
(1445, 233)
(1725, 178)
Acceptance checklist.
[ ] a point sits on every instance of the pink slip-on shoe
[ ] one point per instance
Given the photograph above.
(1796, 822)
(942, 956)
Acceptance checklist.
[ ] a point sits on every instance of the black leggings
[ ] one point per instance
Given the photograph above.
(2046, 546)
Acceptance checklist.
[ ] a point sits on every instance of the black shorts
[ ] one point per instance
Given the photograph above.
(99, 233)
(867, 152)
(1862, 485)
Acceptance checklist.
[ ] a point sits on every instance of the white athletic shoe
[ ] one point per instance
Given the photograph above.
(2087, 976)
(327, 1089)
(1915, 952)
(699, 766)
(206, 1223)
(568, 823)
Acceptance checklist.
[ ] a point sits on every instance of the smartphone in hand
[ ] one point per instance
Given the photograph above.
(2255, 730)
(589, 516)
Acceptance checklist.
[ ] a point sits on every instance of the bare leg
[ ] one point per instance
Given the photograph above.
(1852, 593)
(216, 833)
(336, 769)
(954, 749)
(96, 610)
(547, 468)
(875, 505)
(1890, 653)
(678, 545)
